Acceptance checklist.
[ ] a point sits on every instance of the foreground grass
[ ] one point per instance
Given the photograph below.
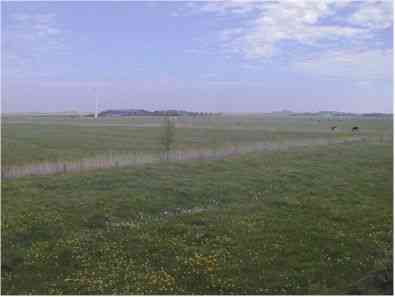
(297, 222)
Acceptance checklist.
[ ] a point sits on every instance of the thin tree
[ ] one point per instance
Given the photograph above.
(167, 137)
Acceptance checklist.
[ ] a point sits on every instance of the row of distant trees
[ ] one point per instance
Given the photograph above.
(142, 112)
(195, 114)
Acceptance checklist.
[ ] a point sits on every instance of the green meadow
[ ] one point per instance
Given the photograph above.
(309, 220)
(33, 139)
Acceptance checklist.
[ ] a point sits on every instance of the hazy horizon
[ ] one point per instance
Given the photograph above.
(225, 113)
(231, 57)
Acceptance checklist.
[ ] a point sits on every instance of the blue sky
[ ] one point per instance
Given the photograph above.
(230, 56)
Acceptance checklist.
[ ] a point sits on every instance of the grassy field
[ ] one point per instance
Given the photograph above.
(27, 140)
(309, 220)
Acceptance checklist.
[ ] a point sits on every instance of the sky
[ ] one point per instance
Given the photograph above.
(216, 56)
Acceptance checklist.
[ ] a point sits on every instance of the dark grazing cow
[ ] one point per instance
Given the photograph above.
(333, 128)
(355, 129)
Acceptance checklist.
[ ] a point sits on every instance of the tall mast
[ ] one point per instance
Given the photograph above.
(97, 104)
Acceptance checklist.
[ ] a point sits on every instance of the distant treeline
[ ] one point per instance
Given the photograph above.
(143, 112)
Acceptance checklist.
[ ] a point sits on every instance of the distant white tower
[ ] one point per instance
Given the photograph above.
(97, 104)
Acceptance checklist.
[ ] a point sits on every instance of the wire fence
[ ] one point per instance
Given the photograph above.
(136, 159)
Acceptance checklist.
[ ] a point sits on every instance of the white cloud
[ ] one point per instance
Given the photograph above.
(223, 7)
(334, 39)
(374, 15)
(302, 22)
(296, 21)
(361, 66)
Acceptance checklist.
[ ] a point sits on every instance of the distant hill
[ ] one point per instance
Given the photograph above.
(341, 114)
(124, 112)
(282, 112)
(326, 113)
(377, 114)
